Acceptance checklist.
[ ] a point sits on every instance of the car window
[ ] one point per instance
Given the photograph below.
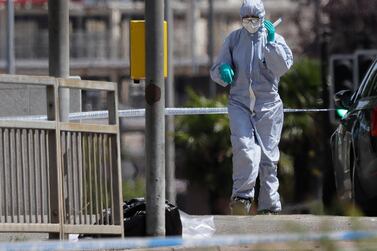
(372, 86)
(366, 84)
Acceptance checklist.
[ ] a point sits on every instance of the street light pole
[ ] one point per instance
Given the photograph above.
(11, 69)
(170, 128)
(155, 117)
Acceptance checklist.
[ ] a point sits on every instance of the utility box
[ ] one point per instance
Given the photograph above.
(137, 49)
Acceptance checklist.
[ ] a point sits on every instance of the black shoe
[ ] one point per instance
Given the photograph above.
(240, 206)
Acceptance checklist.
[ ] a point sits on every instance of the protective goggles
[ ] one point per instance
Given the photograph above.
(251, 20)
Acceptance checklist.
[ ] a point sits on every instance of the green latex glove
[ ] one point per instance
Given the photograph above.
(270, 30)
(226, 73)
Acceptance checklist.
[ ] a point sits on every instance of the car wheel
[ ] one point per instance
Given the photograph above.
(358, 192)
(367, 206)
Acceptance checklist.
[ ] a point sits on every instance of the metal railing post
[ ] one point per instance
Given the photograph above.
(11, 68)
(54, 180)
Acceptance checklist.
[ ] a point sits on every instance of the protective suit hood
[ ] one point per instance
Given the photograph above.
(252, 8)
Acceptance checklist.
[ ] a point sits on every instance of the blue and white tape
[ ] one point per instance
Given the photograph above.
(229, 240)
(141, 113)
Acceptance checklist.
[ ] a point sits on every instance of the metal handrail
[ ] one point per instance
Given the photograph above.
(58, 176)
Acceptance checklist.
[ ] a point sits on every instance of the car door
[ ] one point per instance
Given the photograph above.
(342, 147)
(365, 138)
(343, 138)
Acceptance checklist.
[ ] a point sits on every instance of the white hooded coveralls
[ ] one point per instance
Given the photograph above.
(254, 107)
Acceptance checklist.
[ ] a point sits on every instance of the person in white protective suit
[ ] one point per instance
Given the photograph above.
(252, 60)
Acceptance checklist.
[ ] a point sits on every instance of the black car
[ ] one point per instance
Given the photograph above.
(354, 145)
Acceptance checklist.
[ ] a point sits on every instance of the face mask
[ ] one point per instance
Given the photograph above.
(251, 24)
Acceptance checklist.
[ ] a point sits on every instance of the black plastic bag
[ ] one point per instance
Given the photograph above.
(134, 215)
(134, 219)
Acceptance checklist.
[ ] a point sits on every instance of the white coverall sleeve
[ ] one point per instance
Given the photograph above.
(224, 57)
(279, 57)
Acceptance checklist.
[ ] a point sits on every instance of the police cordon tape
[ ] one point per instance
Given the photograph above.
(159, 242)
(129, 113)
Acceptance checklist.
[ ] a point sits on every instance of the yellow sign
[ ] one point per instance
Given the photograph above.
(137, 49)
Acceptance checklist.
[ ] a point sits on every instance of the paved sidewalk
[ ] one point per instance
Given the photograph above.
(279, 224)
(267, 224)
(290, 223)
(344, 246)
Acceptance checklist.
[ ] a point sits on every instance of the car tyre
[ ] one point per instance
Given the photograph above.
(367, 206)
(358, 192)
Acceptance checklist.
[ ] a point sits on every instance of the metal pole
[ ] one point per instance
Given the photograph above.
(328, 187)
(155, 117)
(170, 128)
(58, 25)
(322, 35)
(58, 60)
(115, 19)
(317, 25)
(11, 68)
(211, 42)
(193, 39)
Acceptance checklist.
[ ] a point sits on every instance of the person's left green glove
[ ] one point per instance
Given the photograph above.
(270, 30)
(226, 73)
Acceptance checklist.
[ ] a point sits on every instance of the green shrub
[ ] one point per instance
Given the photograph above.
(134, 188)
(205, 143)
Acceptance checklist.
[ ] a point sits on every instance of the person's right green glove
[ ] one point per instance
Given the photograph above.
(226, 73)
(270, 30)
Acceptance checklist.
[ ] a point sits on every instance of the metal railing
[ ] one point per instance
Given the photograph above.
(61, 177)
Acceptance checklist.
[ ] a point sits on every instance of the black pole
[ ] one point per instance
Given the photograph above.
(328, 181)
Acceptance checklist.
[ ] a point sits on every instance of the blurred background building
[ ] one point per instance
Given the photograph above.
(99, 35)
